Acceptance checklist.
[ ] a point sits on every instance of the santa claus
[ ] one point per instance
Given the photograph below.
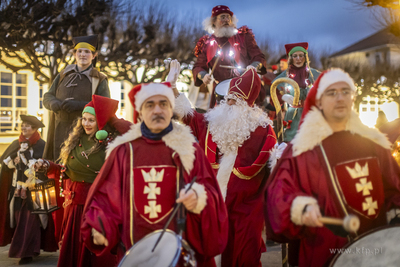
(238, 139)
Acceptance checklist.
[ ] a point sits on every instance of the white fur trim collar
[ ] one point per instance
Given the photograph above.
(315, 129)
(179, 139)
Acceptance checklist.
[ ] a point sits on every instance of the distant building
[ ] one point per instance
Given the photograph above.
(380, 49)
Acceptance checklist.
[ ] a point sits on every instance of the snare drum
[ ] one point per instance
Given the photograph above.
(379, 247)
(170, 251)
(221, 90)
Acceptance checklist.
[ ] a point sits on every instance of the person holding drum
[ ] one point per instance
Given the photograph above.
(82, 156)
(147, 171)
(334, 167)
(228, 51)
(238, 140)
(299, 70)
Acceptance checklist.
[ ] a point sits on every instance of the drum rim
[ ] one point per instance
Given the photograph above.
(333, 261)
(223, 82)
(176, 258)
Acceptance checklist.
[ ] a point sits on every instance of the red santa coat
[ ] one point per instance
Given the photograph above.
(240, 49)
(362, 179)
(120, 199)
(240, 185)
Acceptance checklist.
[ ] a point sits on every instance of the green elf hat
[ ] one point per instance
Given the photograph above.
(295, 47)
(103, 108)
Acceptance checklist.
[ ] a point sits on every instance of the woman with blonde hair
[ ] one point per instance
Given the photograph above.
(82, 156)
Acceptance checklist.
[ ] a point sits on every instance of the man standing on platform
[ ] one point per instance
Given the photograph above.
(335, 166)
(226, 46)
(146, 169)
(237, 138)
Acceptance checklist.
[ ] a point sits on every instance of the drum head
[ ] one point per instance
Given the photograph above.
(222, 88)
(166, 253)
(376, 248)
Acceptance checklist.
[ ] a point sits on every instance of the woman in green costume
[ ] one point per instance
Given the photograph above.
(300, 71)
(82, 156)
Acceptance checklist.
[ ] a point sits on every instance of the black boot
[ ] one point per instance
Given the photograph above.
(25, 260)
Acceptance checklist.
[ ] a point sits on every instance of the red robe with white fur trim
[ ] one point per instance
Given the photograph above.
(136, 190)
(240, 177)
(365, 182)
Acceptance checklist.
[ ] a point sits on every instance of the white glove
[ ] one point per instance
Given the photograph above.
(251, 67)
(288, 98)
(207, 79)
(279, 149)
(174, 70)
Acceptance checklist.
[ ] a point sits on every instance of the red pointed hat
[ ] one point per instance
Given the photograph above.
(291, 48)
(141, 92)
(324, 80)
(219, 10)
(104, 109)
(246, 87)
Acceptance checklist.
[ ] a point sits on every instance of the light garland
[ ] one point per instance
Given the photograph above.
(396, 151)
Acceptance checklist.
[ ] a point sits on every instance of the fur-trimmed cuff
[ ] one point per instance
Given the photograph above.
(183, 107)
(201, 197)
(391, 214)
(298, 204)
(9, 162)
(275, 154)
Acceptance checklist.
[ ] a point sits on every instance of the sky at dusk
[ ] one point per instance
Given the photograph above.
(325, 24)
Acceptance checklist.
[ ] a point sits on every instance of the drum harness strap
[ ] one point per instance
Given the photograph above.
(335, 186)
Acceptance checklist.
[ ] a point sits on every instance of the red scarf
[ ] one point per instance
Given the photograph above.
(32, 140)
(300, 75)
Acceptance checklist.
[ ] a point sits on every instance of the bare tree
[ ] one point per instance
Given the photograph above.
(37, 35)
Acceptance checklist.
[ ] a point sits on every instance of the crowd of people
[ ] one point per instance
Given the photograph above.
(224, 172)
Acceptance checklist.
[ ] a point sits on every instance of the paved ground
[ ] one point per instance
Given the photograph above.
(272, 258)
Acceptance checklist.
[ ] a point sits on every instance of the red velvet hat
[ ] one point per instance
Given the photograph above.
(246, 87)
(141, 92)
(104, 109)
(219, 10)
(299, 47)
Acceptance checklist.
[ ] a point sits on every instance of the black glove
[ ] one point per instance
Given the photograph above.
(395, 220)
(71, 105)
(55, 105)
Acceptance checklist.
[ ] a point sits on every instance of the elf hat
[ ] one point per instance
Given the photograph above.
(103, 108)
(324, 80)
(295, 47)
(219, 10)
(143, 91)
(90, 42)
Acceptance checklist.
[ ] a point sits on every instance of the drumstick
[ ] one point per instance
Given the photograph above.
(103, 232)
(350, 223)
(177, 206)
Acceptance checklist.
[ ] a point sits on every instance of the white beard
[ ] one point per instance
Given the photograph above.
(225, 31)
(231, 125)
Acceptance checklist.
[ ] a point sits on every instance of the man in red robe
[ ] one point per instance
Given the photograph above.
(334, 166)
(237, 138)
(231, 46)
(146, 169)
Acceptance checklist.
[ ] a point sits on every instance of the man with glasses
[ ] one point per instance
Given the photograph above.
(334, 166)
(227, 46)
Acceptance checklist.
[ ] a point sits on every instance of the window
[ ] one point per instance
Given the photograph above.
(13, 100)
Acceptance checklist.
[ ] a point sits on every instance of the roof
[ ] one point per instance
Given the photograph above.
(382, 37)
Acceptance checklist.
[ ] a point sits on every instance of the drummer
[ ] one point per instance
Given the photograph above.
(335, 166)
(299, 70)
(232, 47)
(145, 171)
(238, 139)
